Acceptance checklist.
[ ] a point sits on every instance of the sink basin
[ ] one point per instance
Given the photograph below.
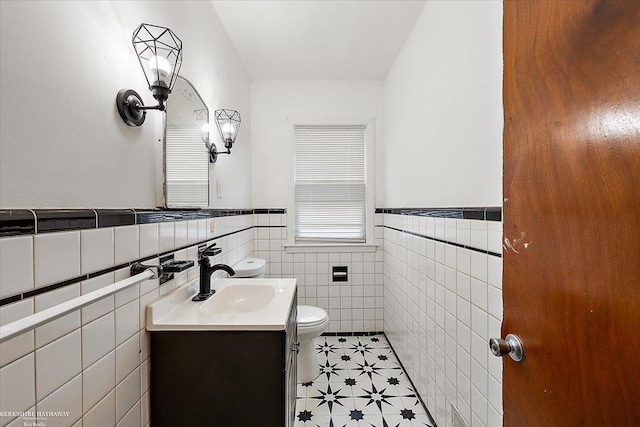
(239, 299)
(239, 304)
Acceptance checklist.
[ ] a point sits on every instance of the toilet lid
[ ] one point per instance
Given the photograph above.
(310, 316)
(250, 267)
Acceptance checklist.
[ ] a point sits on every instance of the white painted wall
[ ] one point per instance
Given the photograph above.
(273, 102)
(442, 147)
(62, 142)
(443, 110)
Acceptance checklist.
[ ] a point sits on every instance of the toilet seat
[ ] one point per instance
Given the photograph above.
(309, 316)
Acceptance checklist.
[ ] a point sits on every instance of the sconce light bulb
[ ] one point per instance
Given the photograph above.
(204, 131)
(160, 68)
(227, 131)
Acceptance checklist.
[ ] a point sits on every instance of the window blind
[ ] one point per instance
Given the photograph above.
(186, 167)
(329, 181)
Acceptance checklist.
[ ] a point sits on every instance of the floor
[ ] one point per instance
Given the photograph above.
(361, 384)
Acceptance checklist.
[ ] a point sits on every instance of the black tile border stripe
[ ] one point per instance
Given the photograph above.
(21, 222)
(351, 334)
(148, 216)
(491, 213)
(53, 287)
(15, 222)
(270, 211)
(471, 248)
(69, 282)
(9, 300)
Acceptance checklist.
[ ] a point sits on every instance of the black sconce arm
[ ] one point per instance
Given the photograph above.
(160, 107)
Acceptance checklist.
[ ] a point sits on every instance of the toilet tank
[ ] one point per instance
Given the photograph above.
(250, 267)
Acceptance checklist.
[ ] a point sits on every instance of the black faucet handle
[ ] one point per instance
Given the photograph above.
(210, 250)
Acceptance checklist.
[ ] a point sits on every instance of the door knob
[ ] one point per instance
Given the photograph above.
(511, 345)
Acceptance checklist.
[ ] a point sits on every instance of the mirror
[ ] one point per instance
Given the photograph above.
(186, 158)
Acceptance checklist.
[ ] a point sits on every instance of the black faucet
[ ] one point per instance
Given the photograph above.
(206, 270)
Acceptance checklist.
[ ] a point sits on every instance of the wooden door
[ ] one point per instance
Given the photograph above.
(571, 282)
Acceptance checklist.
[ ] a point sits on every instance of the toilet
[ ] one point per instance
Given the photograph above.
(312, 322)
(250, 267)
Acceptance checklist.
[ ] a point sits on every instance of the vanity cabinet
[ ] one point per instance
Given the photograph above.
(232, 378)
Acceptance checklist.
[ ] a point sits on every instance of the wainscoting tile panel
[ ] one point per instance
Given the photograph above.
(127, 245)
(62, 326)
(16, 265)
(56, 257)
(19, 346)
(69, 397)
(127, 394)
(57, 363)
(98, 308)
(98, 380)
(103, 413)
(149, 243)
(17, 386)
(97, 339)
(96, 250)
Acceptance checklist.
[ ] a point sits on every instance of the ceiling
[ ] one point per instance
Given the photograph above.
(322, 39)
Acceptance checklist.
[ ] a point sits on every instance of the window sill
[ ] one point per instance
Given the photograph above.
(334, 247)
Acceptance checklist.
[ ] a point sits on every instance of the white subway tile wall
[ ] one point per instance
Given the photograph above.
(181, 237)
(69, 397)
(356, 305)
(21, 345)
(56, 257)
(96, 250)
(442, 303)
(438, 304)
(17, 386)
(62, 326)
(126, 243)
(95, 362)
(16, 265)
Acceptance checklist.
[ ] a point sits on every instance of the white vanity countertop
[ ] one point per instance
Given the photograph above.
(176, 311)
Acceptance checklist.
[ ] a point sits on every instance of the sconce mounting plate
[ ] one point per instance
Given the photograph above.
(129, 102)
(213, 153)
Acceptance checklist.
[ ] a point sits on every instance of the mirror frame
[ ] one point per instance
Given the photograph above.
(164, 154)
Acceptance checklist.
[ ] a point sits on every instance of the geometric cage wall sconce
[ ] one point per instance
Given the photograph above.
(228, 124)
(159, 52)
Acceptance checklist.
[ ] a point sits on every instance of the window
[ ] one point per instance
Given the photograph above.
(330, 183)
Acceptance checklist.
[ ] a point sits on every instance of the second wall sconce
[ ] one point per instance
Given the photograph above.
(159, 52)
(228, 124)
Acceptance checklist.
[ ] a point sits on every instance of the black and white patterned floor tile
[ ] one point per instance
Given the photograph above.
(361, 384)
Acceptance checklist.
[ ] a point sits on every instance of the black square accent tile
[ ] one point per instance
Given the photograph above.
(115, 218)
(50, 220)
(16, 222)
(473, 213)
(493, 214)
